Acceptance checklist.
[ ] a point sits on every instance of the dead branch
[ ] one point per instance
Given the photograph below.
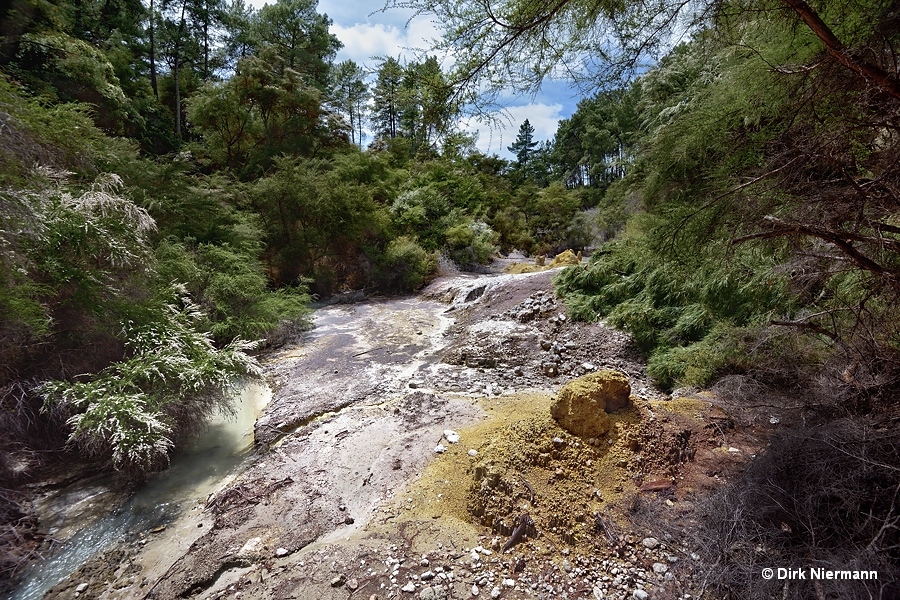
(842, 239)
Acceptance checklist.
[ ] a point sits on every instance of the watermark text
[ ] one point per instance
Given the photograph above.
(815, 573)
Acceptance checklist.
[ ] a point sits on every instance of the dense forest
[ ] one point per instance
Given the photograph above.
(179, 178)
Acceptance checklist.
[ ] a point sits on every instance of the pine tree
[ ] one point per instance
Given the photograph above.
(387, 101)
(350, 96)
(300, 36)
(523, 149)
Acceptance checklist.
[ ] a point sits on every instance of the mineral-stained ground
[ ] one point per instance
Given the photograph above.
(360, 489)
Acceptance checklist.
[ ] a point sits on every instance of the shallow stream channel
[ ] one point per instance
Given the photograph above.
(92, 516)
(319, 446)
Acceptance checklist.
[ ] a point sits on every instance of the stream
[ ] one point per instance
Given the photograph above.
(84, 515)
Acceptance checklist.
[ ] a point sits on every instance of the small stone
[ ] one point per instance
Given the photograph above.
(428, 594)
(640, 595)
(650, 543)
(566, 566)
(281, 552)
(251, 547)
(559, 442)
(353, 584)
(348, 521)
(451, 436)
(438, 592)
(588, 366)
(510, 583)
(427, 576)
(440, 449)
(660, 568)
(475, 590)
(409, 587)
(495, 593)
(339, 580)
(598, 593)
(413, 385)
(81, 587)
(473, 452)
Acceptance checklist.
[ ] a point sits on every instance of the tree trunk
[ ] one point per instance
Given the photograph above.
(206, 40)
(153, 52)
(351, 110)
(181, 28)
(835, 48)
(177, 98)
(359, 123)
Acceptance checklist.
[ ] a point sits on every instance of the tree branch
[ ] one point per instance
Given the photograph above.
(836, 48)
(839, 238)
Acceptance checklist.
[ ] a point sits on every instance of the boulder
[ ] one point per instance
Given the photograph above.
(582, 405)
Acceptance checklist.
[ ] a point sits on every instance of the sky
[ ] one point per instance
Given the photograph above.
(367, 34)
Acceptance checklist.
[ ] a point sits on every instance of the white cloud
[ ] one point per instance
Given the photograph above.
(362, 11)
(495, 139)
(363, 41)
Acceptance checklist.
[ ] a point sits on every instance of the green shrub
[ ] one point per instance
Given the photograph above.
(172, 378)
(512, 228)
(406, 266)
(686, 317)
(470, 243)
(419, 212)
(231, 287)
(551, 219)
(56, 137)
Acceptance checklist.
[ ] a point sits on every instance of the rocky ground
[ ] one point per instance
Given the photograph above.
(409, 452)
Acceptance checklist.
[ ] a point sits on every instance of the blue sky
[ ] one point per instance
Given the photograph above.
(366, 34)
